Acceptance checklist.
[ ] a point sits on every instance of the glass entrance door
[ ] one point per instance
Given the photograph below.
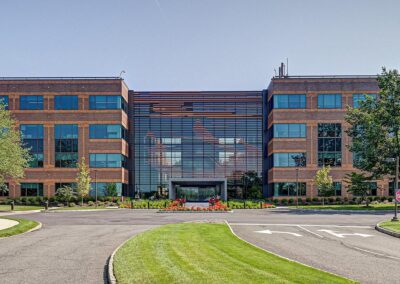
(196, 193)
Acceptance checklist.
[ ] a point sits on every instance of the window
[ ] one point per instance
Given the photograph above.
(330, 101)
(32, 138)
(105, 188)
(172, 158)
(63, 184)
(6, 191)
(66, 145)
(358, 98)
(107, 161)
(289, 159)
(294, 130)
(31, 189)
(337, 189)
(329, 144)
(108, 102)
(167, 141)
(4, 101)
(107, 131)
(289, 188)
(289, 101)
(231, 141)
(31, 102)
(66, 102)
(391, 188)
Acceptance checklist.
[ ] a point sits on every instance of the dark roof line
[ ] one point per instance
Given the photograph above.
(57, 78)
(327, 77)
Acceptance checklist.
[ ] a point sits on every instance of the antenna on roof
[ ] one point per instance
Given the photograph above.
(287, 67)
(275, 71)
(122, 72)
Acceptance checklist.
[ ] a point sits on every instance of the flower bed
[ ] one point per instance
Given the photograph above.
(215, 205)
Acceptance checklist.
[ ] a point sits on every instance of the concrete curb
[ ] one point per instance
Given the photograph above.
(386, 231)
(291, 260)
(77, 210)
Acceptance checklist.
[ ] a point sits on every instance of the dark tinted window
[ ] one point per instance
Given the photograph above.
(66, 102)
(31, 102)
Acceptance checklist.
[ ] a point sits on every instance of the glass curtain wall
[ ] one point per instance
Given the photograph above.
(196, 135)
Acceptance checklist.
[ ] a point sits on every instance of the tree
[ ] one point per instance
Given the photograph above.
(14, 158)
(65, 194)
(358, 184)
(83, 179)
(324, 183)
(252, 185)
(375, 128)
(111, 190)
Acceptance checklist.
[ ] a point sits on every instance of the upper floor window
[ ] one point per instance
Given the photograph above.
(31, 102)
(66, 102)
(329, 144)
(289, 101)
(66, 131)
(32, 138)
(358, 98)
(108, 102)
(107, 131)
(289, 159)
(4, 101)
(329, 101)
(107, 160)
(289, 130)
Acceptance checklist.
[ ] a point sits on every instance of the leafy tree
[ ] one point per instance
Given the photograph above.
(111, 190)
(83, 179)
(14, 158)
(252, 185)
(324, 183)
(375, 128)
(358, 184)
(65, 194)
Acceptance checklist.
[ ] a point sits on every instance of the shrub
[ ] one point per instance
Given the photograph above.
(315, 199)
(390, 199)
(331, 199)
(291, 201)
(90, 203)
(346, 199)
(284, 201)
(72, 204)
(308, 200)
(383, 198)
(276, 201)
(338, 199)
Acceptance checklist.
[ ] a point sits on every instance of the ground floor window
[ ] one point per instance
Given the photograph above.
(337, 189)
(31, 189)
(289, 189)
(64, 184)
(108, 189)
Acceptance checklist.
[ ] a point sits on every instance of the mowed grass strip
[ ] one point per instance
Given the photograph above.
(349, 207)
(23, 226)
(206, 253)
(391, 226)
(20, 207)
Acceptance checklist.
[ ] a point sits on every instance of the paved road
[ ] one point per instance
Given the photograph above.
(73, 247)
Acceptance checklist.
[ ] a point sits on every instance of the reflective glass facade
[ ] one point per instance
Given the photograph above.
(195, 135)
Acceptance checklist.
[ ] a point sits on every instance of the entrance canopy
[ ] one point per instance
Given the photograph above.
(197, 189)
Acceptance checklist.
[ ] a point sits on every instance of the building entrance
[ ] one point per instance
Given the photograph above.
(197, 190)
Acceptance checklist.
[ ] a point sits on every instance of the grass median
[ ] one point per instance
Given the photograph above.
(20, 207)
(391, 226)
(206, 253)
(23, 226)
(348, 207)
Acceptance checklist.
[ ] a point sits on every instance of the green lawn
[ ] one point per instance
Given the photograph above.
(23, 226)
(206, 253)
(20, 207)
(350, 207)
(392, 226)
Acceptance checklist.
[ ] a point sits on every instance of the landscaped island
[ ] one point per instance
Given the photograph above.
(206, 253)
(23, 226)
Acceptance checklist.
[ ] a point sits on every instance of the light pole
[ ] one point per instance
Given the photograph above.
(95, 185)
(297, 187)
(396, 184)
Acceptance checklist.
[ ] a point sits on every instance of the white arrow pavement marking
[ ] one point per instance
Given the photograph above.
(269, 232)
(341, 235)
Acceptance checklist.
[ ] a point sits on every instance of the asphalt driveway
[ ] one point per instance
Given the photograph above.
(73, 247)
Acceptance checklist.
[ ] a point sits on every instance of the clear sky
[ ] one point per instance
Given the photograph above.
(197, 45)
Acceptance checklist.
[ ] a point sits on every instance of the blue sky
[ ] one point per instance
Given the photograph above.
(197, 45)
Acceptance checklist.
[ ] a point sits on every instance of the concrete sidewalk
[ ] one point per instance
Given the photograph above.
(5, 224)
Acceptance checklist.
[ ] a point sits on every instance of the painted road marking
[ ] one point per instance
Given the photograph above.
(303, 225)
(269, 232)
(313, 233)
(341, 235)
